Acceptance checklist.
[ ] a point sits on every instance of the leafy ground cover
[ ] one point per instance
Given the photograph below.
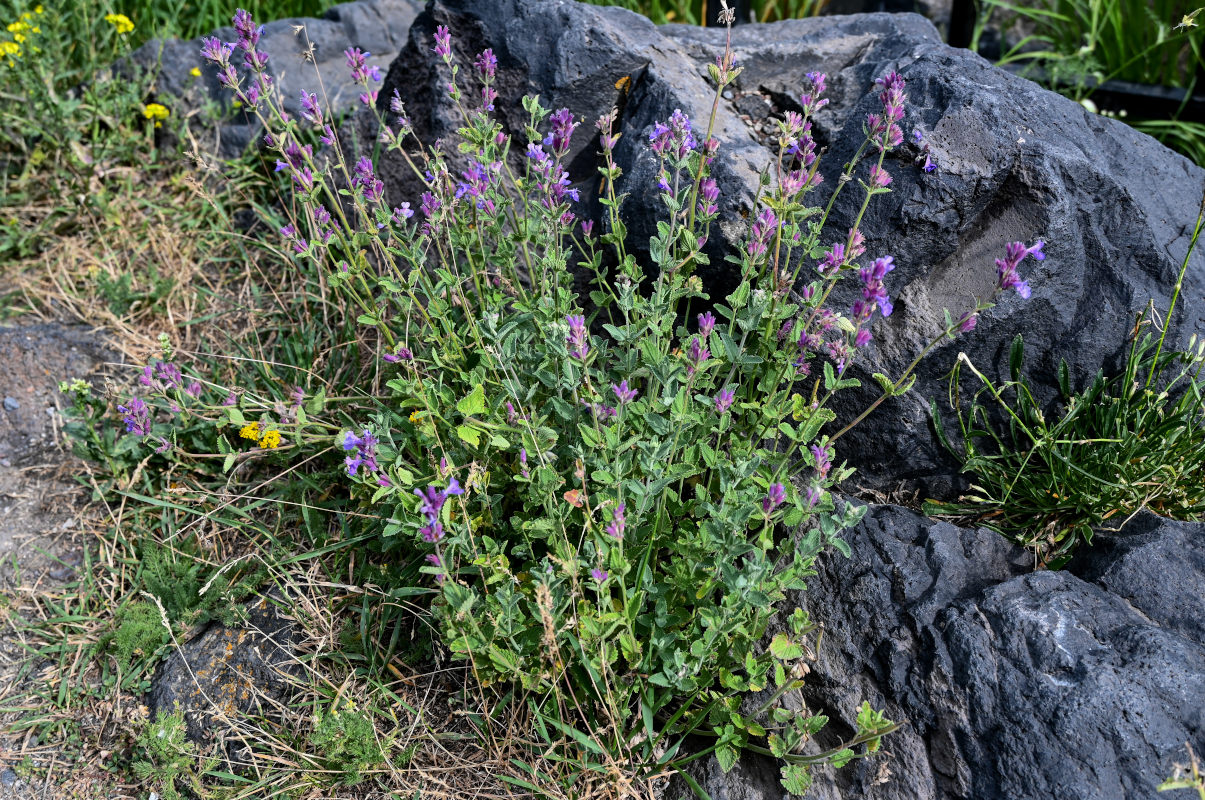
(187, 267)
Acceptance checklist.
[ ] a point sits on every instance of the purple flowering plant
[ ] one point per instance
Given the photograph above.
(589, 461)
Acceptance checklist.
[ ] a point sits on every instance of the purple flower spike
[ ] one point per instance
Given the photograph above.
(723, 400)
(487, 64)
(615, 528)
(598, 574)
(706, 324)
(443, 42)
(136, 416)
(823, 460)
(623, 392)
(775, 498)
(578, 343)
(1006, 268)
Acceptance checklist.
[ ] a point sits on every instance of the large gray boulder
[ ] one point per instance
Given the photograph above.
(377, 26)
(1012, 684)
(1015, 162)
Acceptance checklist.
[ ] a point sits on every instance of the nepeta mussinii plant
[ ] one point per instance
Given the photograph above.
(610, 502)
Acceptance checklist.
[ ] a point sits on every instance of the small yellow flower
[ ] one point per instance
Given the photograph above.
(414, 416)
(270, 440)
(250, 431)
(37, 9)
(10, 50)
(155, 111)
(121, 22)
(195, 72)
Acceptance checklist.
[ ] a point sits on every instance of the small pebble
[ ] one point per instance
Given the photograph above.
(8, 778)
(11, 404)
(727, 94)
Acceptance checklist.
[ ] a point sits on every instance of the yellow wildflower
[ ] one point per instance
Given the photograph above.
(10, 50)
(195, 72)
(414, 416)
(156, 112)
(37, 9)
(121, 22)
(270, 440)
(250, 431)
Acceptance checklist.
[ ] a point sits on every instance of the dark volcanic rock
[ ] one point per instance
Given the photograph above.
(33, 360)
(1015, 162)
(377, 26)
(1013, 684)
(225, 673)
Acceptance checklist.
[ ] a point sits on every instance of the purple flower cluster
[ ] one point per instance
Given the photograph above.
(577, 340)
(884, 129)
(311, 109)
(709, 194)
(695, 356)
(137, 416)
(363, 450)
(623, 392)
(810, 99)
(562, 131)
(443, 42)
(363, 178)
(723, 401)
(675, 139)
(161, 376)
(616, 526)
(775, 498)
(1006, 268)
(219, 54)
(823, 459)
(764, 228)
(477, 179)
(874, 295)
(430, 503)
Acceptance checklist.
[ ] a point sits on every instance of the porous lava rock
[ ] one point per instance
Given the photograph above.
(228, 673)
(376, 26)
(34, 358)
(1083, 684)
(1014, 162)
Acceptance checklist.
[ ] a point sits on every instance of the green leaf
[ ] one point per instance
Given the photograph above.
(473, 402)
(841, 758)
(885, 383)
(796, 779)
(727, 755)
(228, 462)
(812, 425)
(782, 648)
(469, 434)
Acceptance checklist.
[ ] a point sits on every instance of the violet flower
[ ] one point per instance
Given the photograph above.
(136, 416)
(616, 526)
(775, 498)
(443, 42)
(623, 392)
(578, 343)
(723, 400)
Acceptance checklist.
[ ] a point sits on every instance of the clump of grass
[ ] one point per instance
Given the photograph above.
(1122, 444)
